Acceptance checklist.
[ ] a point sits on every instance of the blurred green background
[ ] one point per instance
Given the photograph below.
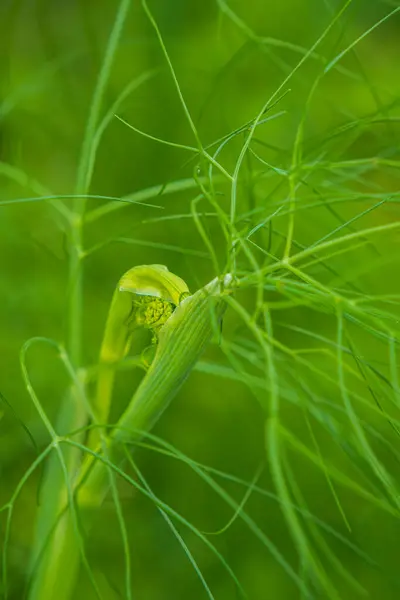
(229, 59)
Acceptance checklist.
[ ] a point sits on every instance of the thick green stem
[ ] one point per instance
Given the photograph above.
(54, 560)
(55, 544)
(181, 342)
(55, 557)
(144, 296)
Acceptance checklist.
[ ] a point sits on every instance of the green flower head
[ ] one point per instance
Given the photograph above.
(145, 296)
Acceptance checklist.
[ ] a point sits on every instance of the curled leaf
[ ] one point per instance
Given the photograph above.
(181, 341)
(145, 296)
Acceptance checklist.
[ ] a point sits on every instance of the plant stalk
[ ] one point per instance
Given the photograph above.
(55, 556)
(181, 343)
